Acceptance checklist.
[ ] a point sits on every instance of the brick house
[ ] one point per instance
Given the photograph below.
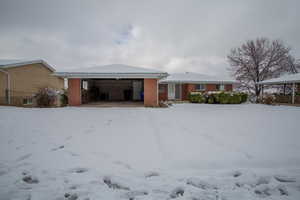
(178, 86)
(20, 80)
(114, 82)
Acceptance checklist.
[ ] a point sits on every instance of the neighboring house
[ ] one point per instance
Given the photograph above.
(178, 86)
(288, 79)
(114, 82)
(21, 79)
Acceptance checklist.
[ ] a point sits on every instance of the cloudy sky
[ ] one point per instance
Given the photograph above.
(170, 35)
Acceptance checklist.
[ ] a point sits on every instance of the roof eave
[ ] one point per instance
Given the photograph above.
(110, 75)
(199, 82)
(278, 82)
(28, 63)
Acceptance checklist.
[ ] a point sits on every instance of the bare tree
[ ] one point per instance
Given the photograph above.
(293, 65)
(258, 60)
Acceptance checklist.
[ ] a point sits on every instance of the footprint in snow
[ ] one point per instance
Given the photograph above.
(24, 157)
(151, 174)
(134, 194)
(108, 122)
(79, 170)
(114, 184)
(68, 138)
(57, 148)
(179, 191)
(284, 179)
(88, 131)
(127, 166)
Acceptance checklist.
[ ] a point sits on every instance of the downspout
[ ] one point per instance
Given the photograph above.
(7, 85)
(293, 93)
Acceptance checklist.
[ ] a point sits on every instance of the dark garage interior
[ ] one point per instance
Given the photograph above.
(109, 90)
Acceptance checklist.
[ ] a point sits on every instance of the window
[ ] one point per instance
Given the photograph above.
(162, 88)
(84, 85)
(27, 101)
(200, 87)
(220, 87)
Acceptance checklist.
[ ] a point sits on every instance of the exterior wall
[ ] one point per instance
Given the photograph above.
(163, 92)
(228, 87)
(187, 88)
(210, 87)
(74, 92)
(25, 81)
(150, 92)
(184, 92)
(190, 88)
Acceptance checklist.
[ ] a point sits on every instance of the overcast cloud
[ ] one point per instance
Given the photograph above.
(173, 36)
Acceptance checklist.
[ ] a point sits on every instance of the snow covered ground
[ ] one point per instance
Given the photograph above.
(188, 151)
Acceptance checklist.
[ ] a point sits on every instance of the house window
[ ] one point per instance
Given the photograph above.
(84, 85)
(220, 87)
(27, 101)
(162, 88)
(200, 87)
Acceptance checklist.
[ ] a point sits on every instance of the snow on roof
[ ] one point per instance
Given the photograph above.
(115, 68)
(113, 71)
(190, 77)
(288, 78)
(7, 63)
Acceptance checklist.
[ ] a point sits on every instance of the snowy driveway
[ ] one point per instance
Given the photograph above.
(186, 139)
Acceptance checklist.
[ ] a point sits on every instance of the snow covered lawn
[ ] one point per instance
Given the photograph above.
(188, 151)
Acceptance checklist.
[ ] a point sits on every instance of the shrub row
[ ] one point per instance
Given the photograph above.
(218, 97)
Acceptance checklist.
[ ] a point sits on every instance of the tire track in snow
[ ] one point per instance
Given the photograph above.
(165, 156)
(216, 142)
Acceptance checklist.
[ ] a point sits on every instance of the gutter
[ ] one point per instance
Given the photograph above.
(7, 85)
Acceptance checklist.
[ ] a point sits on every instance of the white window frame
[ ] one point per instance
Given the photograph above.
(28, 101)
(200, 88)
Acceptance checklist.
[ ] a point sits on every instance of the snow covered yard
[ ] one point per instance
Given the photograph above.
(188, 151)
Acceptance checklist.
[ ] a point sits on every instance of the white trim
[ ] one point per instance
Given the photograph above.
(22, 63)
(293, 93)
(171, 96)
(157, 93)
(204, 88)
(110, 75)
(7, 84)
(199, 82)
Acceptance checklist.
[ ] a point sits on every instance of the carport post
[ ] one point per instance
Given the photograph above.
(293, 93)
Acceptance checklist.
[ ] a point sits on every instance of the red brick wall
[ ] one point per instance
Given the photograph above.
(150, 92)
(190, 88)
(184, 92)
(187, 88)
(74, 92)
(163, 92)
(228, 87)
(210, 87)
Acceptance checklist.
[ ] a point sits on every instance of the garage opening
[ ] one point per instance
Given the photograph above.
(112, 90)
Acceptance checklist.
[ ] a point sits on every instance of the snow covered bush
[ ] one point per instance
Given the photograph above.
(268, 99)
(235, 98)
(224, 97)
(64, 98)
(214, 97)
(197, 97)
(46, 97)
(244, 96)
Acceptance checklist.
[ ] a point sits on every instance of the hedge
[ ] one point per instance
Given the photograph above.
(218, 97)
(197, 97)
